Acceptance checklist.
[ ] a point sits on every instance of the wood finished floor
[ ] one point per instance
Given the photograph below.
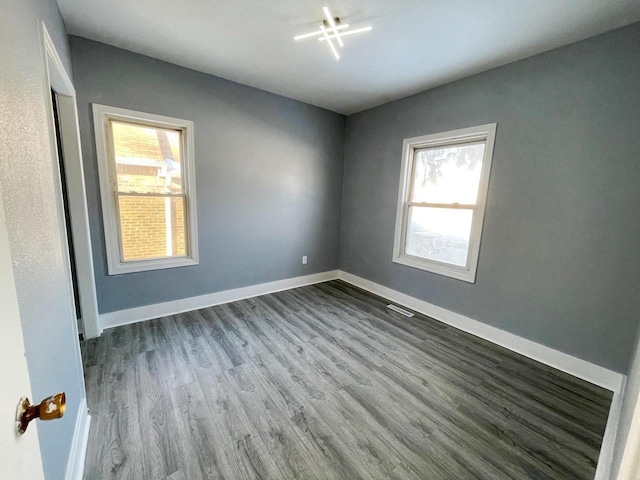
(325, 382)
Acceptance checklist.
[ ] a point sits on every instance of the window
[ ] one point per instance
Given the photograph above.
(147, 185)
(443, 190)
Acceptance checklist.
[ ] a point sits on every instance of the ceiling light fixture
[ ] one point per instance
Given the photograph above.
(332, 29)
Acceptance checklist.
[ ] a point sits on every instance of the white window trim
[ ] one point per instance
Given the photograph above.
(468, 273)
(101, 115)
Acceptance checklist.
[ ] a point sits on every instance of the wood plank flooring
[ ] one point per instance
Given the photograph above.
(325, 382)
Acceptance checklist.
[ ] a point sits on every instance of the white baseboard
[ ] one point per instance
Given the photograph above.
(567, 363)
(148, 312)
(75, 464)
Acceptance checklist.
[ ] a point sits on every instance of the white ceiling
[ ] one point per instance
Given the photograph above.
(414, 44)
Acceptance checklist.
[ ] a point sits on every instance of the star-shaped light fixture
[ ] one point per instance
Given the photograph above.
(331, 29)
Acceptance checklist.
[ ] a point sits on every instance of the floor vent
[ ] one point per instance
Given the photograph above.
(400, 310)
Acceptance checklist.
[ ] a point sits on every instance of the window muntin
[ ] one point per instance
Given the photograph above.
(441, 201)
(147, 187)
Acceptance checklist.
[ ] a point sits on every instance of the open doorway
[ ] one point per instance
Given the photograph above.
(67, 218)
(74, 217)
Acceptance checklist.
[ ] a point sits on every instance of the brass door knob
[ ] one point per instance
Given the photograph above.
(51, 408)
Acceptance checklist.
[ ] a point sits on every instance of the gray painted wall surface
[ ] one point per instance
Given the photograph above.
(559, 255)
(629, 404)
(268, 176)
(28, 186)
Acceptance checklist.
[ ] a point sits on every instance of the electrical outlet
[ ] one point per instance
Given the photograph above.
(304, 260)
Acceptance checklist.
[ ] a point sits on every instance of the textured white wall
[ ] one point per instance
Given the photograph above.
(32, 218)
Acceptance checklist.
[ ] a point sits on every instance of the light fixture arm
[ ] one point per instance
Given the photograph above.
(332, 29)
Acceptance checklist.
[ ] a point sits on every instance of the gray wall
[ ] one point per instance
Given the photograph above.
(28, 189)
(268, 176)
(559, 256)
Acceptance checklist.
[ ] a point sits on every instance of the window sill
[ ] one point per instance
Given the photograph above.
(466, 275)
(148, 265)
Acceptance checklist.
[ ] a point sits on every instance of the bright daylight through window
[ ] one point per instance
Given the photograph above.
(442, 198)
(146, 177)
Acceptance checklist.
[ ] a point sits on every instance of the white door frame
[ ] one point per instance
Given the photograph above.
(58, 80)
(630, 464)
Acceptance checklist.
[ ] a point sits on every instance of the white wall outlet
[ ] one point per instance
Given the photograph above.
(304, 260)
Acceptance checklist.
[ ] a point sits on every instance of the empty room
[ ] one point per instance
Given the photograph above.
(320, 240)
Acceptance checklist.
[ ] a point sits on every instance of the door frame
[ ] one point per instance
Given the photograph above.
(630, 463)
(57, 79)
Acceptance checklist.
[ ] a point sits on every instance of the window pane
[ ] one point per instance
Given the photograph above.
(147, 158)
(151, 227)
(449, 174)
(440, 234)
